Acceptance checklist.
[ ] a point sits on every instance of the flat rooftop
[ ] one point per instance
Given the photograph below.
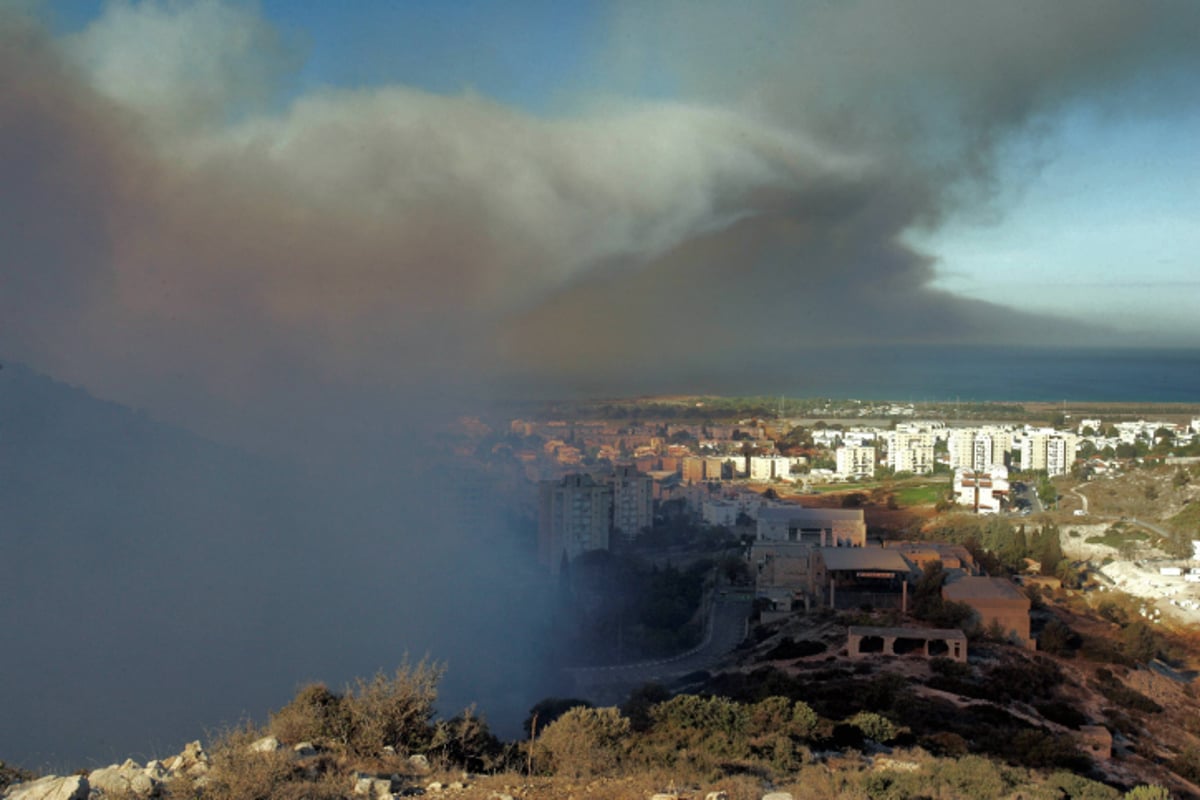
(978, 587)
(871, 559)
(799, 513)
(908, 633)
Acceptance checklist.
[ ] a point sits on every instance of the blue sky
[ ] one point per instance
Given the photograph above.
(1107, 228)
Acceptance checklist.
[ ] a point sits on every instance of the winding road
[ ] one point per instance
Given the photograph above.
(609, 685)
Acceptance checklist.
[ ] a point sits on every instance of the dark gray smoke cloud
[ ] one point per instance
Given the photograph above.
(326, 276)
(160, 225)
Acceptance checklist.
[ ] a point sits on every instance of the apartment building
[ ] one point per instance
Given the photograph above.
(574, 517)
(855, 461)
(632, 502)
(910, 449)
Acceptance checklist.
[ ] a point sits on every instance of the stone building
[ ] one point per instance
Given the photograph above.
(996, 601)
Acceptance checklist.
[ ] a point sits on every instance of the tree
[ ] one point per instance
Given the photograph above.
(1049, 551)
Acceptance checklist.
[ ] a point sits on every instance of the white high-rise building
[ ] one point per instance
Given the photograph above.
(910, 449)
(1060, 453)
(855, 462)
(1049, 451)
(961, 444)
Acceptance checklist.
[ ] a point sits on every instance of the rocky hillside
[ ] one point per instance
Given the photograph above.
(794, 721)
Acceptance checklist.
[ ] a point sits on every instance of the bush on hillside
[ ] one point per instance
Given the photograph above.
(393, 711)
(874, 726)
(584, 742)
(315, 713)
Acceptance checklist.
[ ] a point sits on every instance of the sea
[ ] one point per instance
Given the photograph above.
(946, 374)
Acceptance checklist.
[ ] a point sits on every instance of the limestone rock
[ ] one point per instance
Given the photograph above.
(419, 762)
(267, 744)
(129, 778)
(716, 796)
(372, 787)
(192, 761)
(777, 796)
(436, 786)
(156, 771)
(51, 787)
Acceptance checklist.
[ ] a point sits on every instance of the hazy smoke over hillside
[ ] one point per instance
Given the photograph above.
(329, 271)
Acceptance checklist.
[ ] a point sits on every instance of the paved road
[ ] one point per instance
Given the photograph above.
(1083, 498)
(1163, 532)
(611, 684)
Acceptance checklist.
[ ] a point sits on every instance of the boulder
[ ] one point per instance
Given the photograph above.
(372, 787)
(777, 796)
(192, 761)
(718, 795)
(157, 771)
(51, 787)
(419, 763)
(124, 780)
(267, 744)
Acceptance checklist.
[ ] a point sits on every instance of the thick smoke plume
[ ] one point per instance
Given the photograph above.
(171, 211)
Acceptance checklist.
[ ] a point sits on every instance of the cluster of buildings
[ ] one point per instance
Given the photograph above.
(805, 558)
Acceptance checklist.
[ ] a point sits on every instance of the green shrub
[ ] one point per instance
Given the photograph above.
(972, 776)
(548, 709)
(874, 726)
(585, 742)
(779, 715)
(1077, 787)
(1147, 792)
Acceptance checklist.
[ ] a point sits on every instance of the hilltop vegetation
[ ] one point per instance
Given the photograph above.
(805, 726)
